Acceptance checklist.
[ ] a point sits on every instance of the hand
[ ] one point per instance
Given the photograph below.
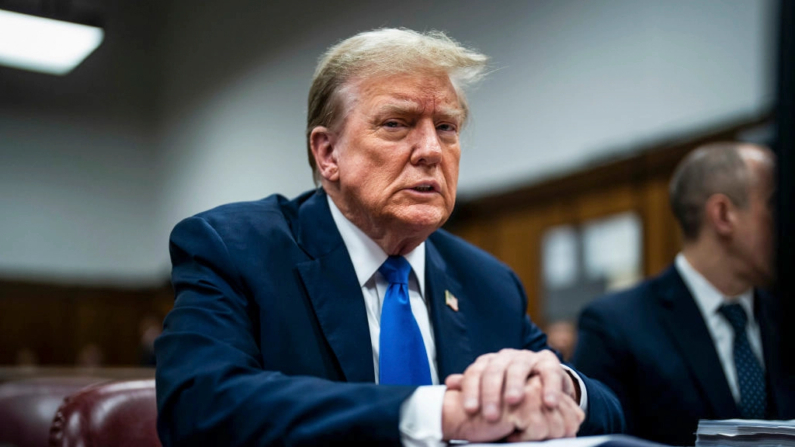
(497, 378)
(457, 424)
(534, 421)
(529, 421)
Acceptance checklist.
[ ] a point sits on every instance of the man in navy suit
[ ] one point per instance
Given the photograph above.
(332, 318)
(700, 341)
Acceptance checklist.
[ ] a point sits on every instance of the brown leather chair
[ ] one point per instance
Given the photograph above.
(27, 407)
(109, 414)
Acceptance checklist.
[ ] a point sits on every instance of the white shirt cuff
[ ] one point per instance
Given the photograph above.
(583, 391)
(421, 417)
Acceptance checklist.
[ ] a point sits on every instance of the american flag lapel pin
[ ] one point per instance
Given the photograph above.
(450, 300)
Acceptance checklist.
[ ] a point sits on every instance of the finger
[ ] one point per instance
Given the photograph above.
(516, 377)
(551, 374)
(556, 426)
(470, 384)
(572, 417)
(456, 424)
(454, 381)
(554, 422)
(526, 416)
(536, 429)
(492, 384)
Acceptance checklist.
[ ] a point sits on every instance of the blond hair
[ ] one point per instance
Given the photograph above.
(384, 52)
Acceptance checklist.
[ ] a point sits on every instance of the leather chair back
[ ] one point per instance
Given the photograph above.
(27, 407)
(121, 414)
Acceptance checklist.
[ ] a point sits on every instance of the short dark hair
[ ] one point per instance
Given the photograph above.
(716, 168)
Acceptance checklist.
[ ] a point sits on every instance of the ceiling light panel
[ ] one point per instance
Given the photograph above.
(45, 45)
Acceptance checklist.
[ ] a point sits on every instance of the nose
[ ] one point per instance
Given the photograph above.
(427, 147)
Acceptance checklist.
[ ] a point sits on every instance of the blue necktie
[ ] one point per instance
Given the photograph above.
(750, 375)
(402, 359)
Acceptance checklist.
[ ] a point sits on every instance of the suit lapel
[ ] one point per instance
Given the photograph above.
(330, 281)
(685, 325)
(453, 349)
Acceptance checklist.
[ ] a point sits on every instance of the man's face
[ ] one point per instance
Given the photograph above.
(397, 154)
(755, 225)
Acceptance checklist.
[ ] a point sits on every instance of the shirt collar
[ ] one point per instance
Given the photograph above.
(367, 256)
(707, 297)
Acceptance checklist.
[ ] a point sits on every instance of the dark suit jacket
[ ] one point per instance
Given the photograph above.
(268, 342)
(651, 346)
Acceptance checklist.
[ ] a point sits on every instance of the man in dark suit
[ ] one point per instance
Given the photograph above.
(333, 317)
(700, 340)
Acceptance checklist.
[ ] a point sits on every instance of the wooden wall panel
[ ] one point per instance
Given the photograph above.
(515, 238)
(56, 321)
(479, 233)
(598, 203)
(518, 238)
(661, 238)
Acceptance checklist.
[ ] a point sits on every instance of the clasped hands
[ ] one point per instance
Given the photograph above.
(516, 395)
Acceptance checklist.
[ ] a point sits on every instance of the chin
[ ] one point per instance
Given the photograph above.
(425, 220)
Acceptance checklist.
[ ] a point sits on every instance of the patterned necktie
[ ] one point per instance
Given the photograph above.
(402, 358)
(750, 375)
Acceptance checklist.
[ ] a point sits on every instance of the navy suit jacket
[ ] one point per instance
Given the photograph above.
(651, 345)
(268, 342)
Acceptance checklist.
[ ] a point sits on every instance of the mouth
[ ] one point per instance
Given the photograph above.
(426, 187)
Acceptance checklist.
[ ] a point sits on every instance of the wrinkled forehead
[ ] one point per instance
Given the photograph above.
(405, 92)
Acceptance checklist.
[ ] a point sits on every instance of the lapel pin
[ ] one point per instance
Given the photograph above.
(450, 300)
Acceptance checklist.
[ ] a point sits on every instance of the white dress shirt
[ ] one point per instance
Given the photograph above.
(709, 299)
(421, 413)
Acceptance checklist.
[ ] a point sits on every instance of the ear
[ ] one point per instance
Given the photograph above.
(721, 214)
(323, 144)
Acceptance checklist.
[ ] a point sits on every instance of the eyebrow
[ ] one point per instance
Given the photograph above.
(413, 108)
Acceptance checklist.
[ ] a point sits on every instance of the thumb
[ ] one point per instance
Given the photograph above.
(454, 381)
